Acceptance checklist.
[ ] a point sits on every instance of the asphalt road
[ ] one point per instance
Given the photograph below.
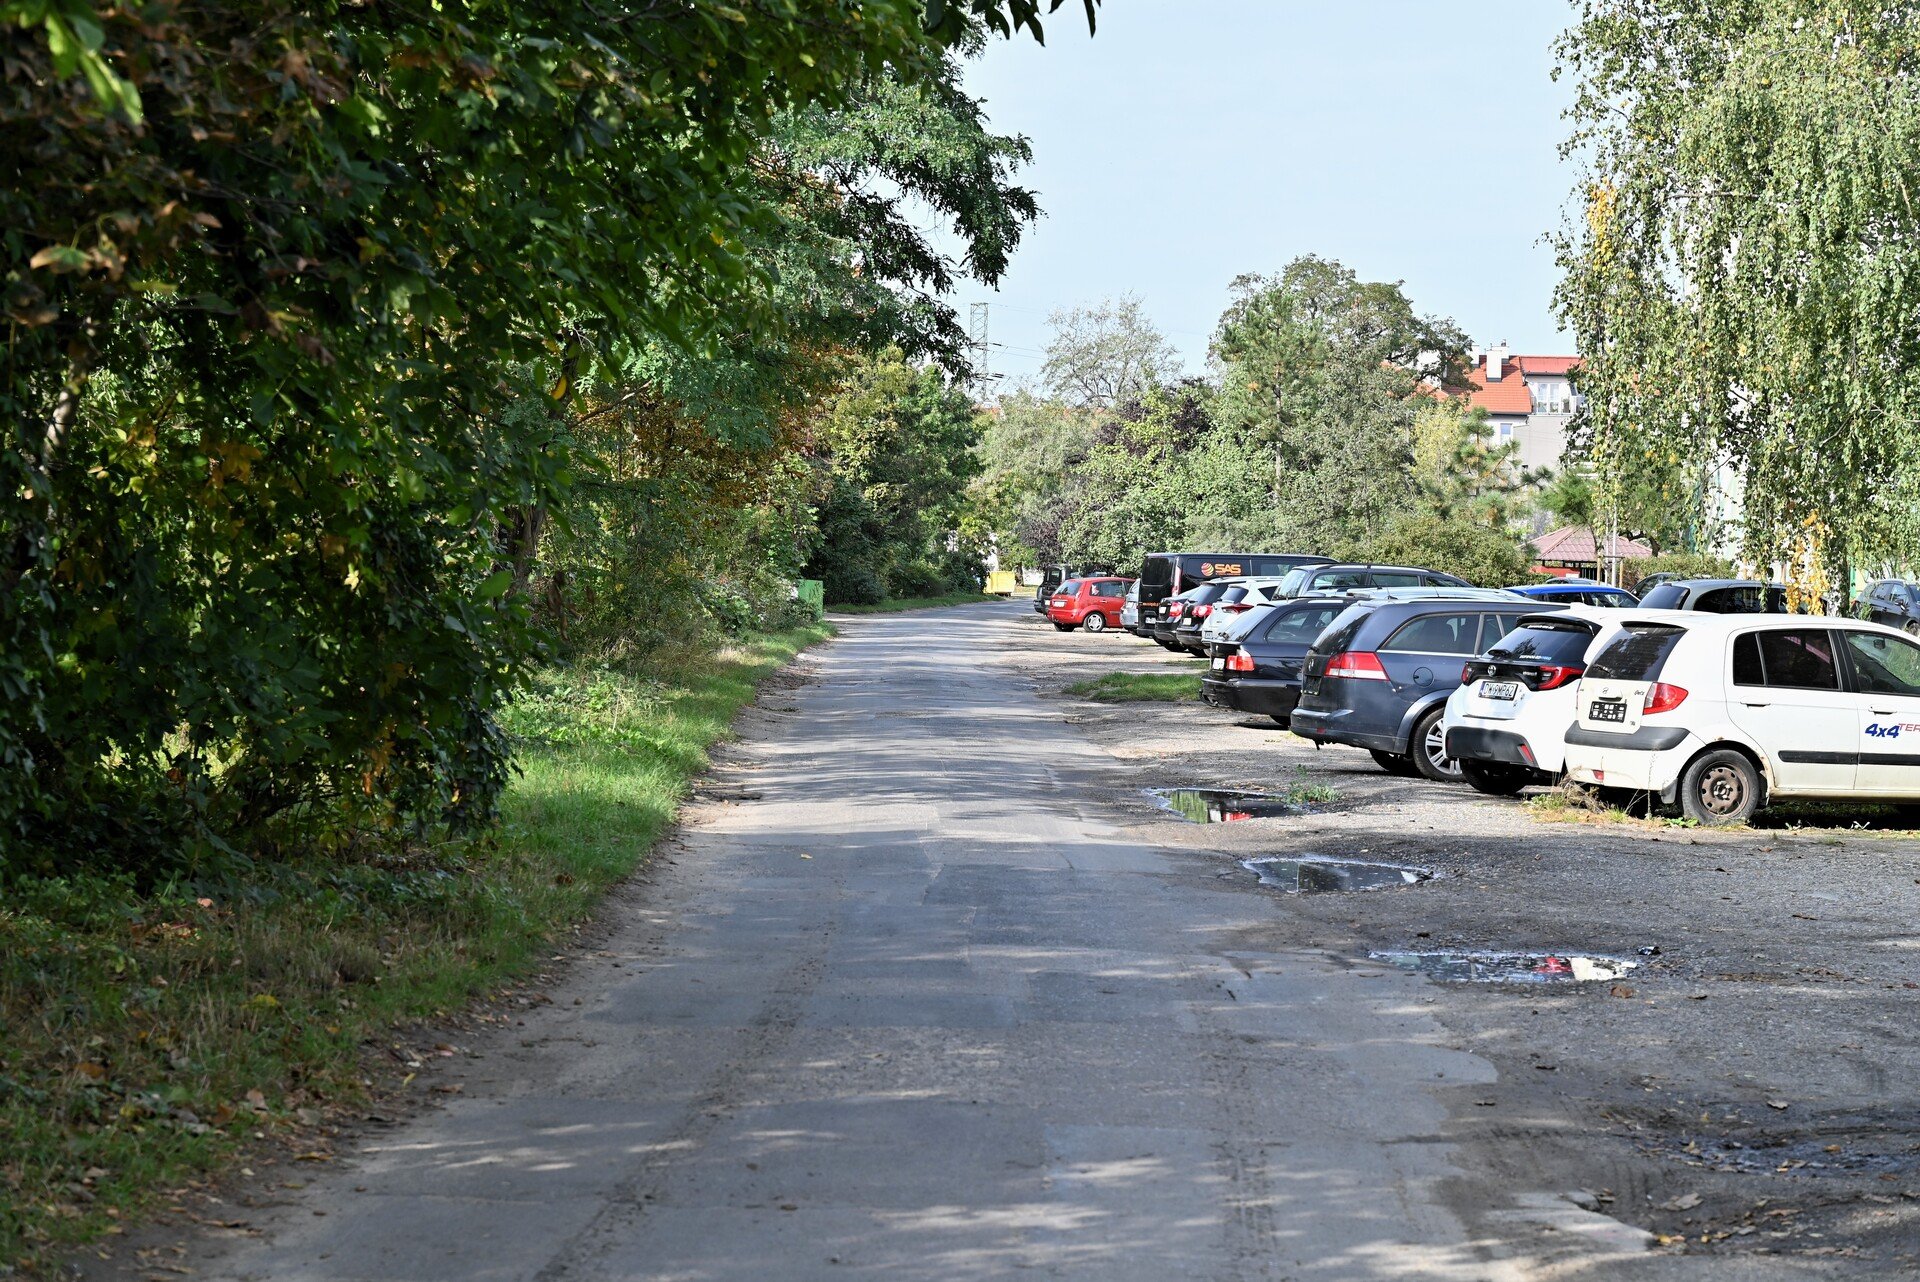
(920, 1005)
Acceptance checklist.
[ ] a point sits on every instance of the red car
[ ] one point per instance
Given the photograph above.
(1093, 604)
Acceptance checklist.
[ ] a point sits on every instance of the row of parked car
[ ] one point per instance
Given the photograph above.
(1706, 697)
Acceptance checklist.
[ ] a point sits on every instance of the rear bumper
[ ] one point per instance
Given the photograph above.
(1648, 760)
(1257, 695)
(1473, 743)
(1332, 726)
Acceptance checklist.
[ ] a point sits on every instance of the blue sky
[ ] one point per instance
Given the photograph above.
(1190, 141)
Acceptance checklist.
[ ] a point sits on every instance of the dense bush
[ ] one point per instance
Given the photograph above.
(1689, 565)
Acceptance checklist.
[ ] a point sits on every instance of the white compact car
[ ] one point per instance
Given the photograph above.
(1719, 714)
(1506, 723)
(1256, 592)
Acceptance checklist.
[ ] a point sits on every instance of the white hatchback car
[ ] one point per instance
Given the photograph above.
(1256, 591)
(1506, 724)
(1720, 714)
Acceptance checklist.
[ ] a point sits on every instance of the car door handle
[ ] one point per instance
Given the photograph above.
(1883, 712)
(1758, 705)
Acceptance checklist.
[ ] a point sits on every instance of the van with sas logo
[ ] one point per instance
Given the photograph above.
(1164, 574)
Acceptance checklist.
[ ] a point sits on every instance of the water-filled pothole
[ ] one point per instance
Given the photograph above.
(1223, 805)
(1507, 968)
(1313, 873)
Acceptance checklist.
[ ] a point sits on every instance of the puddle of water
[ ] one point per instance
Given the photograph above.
(1508, 968)
(1222, 805)
(1312, 873)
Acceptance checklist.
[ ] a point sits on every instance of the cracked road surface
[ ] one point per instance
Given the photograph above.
(925, 1008)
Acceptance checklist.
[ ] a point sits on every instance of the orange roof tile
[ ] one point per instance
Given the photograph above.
(1547, 366)
(1507, 396)
(1576, 543)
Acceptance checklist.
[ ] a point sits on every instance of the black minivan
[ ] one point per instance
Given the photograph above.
(1163, 574)
(1379, 676)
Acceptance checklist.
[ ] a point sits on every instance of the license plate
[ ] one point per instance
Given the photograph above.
(1500, 690)
(1598, 711)
(1219, 663)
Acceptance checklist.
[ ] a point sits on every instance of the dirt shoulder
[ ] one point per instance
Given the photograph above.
(1747, 1090)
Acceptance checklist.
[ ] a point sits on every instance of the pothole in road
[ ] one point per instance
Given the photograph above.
(1310, 873)
(1507, 968)
(1223, 805)
(1835, 1151)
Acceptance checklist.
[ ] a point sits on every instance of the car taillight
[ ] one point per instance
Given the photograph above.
(1662, 697)
(1357, 665)
(1202, 611)
(1466, 673)
(1240, 661)
(1173, 611)
(1552, 676)
(1235, 609)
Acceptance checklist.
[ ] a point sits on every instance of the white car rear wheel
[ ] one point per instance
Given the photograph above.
(1720, 788)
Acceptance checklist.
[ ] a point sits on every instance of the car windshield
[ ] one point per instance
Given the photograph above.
(1638, 653)
(1547, 642)
(1290, 585)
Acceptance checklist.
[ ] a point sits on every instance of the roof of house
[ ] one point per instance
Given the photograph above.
(1576, 543)
(1506, 395)
(1546, 366)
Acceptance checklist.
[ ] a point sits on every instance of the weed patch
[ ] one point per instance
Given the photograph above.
(1139, 687)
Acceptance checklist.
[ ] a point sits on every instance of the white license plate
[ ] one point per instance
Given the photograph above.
(1507, 690)
(1219, 663)
(1598, 711)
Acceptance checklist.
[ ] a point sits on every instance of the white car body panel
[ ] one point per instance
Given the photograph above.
(1540, 717)
(1810, 742)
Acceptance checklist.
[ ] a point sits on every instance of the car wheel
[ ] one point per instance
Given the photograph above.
(1095, 623)
(1719, 788)
(1430, 750)
(1911, 627)
(1280, 719)
(1394, 763)
(1494, 779)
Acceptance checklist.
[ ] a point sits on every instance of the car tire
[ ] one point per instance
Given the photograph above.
(1281, 720)
(1430, 749)
(1720, 788)
(1394, 763)
(1911, 627)
(1494, 779)
(1095, 623)
(1063, 627)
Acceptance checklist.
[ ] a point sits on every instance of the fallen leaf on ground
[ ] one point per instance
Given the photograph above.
(1685, 1202)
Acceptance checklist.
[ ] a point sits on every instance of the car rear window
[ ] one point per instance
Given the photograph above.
(1748, 600)
(1547, 642)
(1436, 634)
(1067, 588)
(1232, 595)
(1638, 653)
(1338, 633)
(1300, 627)
(1668, 596)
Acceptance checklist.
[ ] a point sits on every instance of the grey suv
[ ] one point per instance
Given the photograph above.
(1379, 676)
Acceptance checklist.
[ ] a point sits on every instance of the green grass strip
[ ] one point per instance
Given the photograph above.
(149, 1036)
(1139, 687)
(915, 603)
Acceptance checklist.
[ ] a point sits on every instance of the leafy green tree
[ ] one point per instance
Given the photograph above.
(1490, 556)
(1461, 470)
(1325, 371)
(1745, 270)
(284, 282)
(1031, 451)
(895, 453)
